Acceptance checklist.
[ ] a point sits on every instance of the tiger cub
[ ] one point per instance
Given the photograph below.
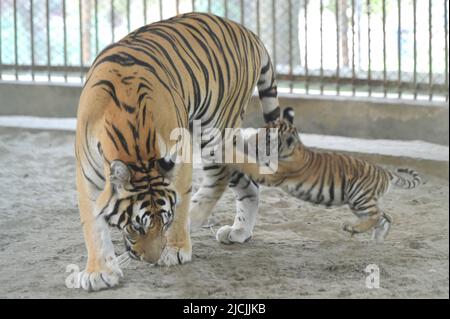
(332, 179)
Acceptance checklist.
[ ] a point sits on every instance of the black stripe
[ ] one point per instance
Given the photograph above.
(122, 139)
(265, 68)
(111, 91)
(272, 116)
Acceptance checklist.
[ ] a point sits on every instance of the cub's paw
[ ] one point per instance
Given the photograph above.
(228, 235)
(175, 256)
(94, 281)
(350, 229)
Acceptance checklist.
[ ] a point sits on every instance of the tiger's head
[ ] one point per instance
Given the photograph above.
(143, 208)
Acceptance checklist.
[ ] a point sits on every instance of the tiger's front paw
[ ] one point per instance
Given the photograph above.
(175, 256)
(94, 281)
(228, 235)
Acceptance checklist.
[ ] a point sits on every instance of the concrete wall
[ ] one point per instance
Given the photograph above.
(342, 116)
(364, 118)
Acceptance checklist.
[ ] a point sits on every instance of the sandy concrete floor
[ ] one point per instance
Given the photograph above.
(298, 250)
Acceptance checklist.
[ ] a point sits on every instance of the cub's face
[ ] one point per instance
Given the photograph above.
(288, 138)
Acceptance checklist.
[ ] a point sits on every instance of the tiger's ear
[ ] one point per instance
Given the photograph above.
(288, 114)
(120, 173)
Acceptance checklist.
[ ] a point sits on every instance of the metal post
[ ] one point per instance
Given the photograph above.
(321, 47)
(415, 49)
(16, 55)
(353, 49)
(65, 39)
(369, 71)
(274, 35)
(112, 22)
(446, 45)
(1, 39)
(430, 52)
(32, 38)
(258, 22)
(338, 52)
(128, 17)
(80, 15)
(384, 50)
(47, 6)
(399, 49)
(96, 26)
(306, 48)
(291, 71)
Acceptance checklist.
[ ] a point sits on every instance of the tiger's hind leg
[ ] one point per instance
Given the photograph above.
(246, 192)
(382, 229)
(369, 214)
(215, 181)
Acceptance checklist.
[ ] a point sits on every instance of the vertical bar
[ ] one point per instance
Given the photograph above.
(65, 39)
(291, 73)
(47, 12)
(446, 44)
(321, 47)
(306, 48)
(430, 52)
(258, 22)
(415, 48)
(160, 10)
(353, 49)
(359, 34)
(399, 49)
(16, 55)
(338, 51)
(369, 61)
(128, 17)
(384, 50)
(209, 6)
(274, 36)
(144, 4)
(80, 16)
(177, 4)
(32, 39)
(96, 26)
(225, 4)
(112, 22)
(193, 5)
(1, 40)
(242, 12)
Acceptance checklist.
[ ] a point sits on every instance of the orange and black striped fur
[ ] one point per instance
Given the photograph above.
(331, 178)
(158, 78)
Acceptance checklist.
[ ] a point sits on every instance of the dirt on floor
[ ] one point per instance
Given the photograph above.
(298, 250)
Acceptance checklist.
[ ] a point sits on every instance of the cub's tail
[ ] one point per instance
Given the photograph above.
(412, 179)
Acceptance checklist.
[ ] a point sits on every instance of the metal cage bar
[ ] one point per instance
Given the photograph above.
(321, 47)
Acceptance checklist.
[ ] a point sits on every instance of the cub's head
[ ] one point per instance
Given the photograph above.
(142, 206)
(288, 137)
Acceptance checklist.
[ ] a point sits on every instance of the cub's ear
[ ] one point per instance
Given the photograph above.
(120, 173)
(288, 114)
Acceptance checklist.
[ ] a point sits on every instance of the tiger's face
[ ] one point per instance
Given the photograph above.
(288, 137)
(144, 209)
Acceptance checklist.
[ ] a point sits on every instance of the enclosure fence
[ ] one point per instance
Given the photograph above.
(376, 48)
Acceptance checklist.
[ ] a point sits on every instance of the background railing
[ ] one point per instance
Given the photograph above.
(377, 48)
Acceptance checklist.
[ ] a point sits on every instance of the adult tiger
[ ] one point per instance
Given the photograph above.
(330, 179)
(160, 77)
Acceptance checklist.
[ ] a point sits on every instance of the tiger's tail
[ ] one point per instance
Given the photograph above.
(411, 181)
(267, 89)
